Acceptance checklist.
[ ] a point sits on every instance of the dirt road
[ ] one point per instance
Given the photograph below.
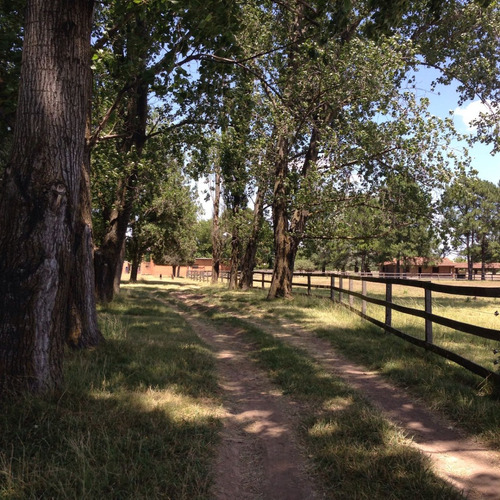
(260, 458)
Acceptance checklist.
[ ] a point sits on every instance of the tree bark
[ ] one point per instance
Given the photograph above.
(284, 252)
(39, 206)
(84, 330)
(288, 233)
(216, 237)
(248, 261)
(235, 257)
(136, 254)
(109, 257)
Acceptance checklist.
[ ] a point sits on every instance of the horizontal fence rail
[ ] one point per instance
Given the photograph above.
(344, 294)
(339, 288)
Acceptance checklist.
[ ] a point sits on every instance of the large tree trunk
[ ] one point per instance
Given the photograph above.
(284, 251)
(248, 261)
(136, 253)
(109, 257)
(84, 331)
(39, 205)
(288, 233)
(216, 237)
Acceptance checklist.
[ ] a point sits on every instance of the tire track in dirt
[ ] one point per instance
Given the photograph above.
(259, 457)
(467, 464)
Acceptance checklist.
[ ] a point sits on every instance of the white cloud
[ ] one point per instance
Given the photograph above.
(472, 111)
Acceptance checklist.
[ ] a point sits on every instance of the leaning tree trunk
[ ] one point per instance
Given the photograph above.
(40, 199)
(248, 261)
(216, 238)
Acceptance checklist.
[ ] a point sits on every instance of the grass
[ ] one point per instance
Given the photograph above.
(139, 417)
(356, 453)
(462, 396)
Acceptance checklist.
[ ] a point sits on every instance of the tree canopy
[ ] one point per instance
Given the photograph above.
(306, 112)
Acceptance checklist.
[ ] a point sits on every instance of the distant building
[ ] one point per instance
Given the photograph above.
(149, 268)
(490, 269)
(420, 267)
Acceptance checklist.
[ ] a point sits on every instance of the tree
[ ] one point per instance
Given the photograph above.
(41, 194)
(143, 52)
(488, 223)
(332, 75)
(203, 236)
(463, 47)
(11, 23)
(470, 209)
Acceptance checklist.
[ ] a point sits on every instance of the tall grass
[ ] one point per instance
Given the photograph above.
(138, 417)
(462, 396)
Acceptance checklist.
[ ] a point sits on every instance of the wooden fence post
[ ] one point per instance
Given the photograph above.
(363, 292)
(351, 288)
(341, 286)
(388, 299)
(308, 284)
(332, 284)
(428, 322)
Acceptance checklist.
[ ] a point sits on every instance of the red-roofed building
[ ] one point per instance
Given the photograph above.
(155, 270)
(418, 266)
(491, 269)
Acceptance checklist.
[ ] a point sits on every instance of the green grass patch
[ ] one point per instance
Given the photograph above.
(356, 452)
(139, 416)
(462, 396)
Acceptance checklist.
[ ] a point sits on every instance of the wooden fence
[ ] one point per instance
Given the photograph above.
(340, 289)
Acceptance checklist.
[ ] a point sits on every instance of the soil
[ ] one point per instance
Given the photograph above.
(259, 457)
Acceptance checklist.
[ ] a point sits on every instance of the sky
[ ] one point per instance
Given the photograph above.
(445, 99)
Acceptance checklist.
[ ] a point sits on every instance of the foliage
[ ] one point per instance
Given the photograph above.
(306, 265)
(11, 26)
(470, 209)
(463, 47)
(203, 236)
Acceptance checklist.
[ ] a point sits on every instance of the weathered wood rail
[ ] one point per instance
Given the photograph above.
(340, 289)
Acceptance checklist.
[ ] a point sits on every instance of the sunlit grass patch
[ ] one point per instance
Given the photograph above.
(139, 416)
(445, 386)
